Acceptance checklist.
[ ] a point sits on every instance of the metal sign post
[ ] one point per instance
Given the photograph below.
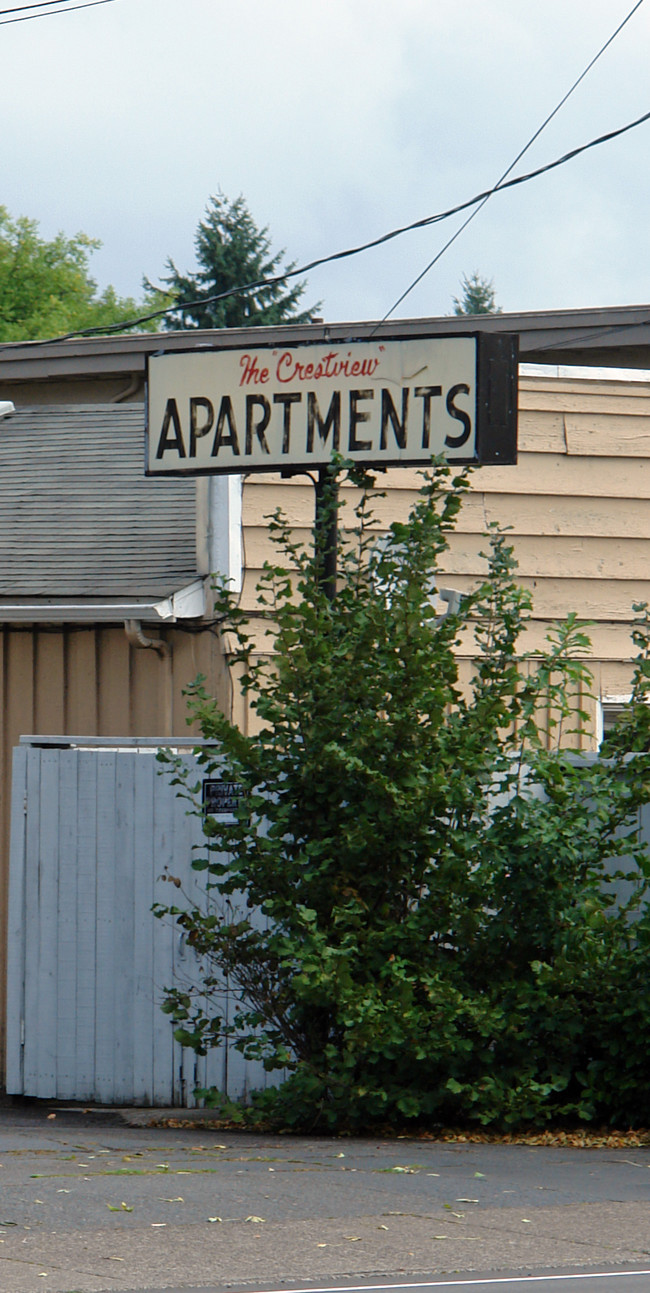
(326, 529)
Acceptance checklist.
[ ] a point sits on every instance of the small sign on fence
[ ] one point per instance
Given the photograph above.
(221, 797)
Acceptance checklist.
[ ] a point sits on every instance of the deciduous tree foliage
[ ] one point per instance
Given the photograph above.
(414, 897)
(231, 252)
(46, 288)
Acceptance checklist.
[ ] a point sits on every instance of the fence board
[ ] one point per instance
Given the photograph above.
(164, 1085)
(31, 964)
(123, 929)
(66, 929)
(86, 899)
(16, 926)
(184, 828)
(48, 880)
(144, 930)
(107, 897)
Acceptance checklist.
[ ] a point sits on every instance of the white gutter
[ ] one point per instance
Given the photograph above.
(187, 603)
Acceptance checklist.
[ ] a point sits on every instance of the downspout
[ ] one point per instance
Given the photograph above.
(132, 389)
(136, 638)
(224, 520)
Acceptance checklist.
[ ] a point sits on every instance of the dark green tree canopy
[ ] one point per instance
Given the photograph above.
(46, 288)
(232, 251)
(477, 296)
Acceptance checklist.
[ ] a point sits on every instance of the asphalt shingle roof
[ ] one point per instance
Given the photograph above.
(78, 517)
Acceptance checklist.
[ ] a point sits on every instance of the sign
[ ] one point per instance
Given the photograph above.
(220, 796)
(383, 402)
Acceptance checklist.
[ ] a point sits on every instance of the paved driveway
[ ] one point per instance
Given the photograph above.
(91, 1204)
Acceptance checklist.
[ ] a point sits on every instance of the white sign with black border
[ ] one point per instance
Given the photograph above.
(383, 402)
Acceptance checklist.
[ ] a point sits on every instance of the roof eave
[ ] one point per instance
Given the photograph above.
(185, 603)
(604, 335)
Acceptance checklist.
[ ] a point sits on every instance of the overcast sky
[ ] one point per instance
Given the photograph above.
(339, 120)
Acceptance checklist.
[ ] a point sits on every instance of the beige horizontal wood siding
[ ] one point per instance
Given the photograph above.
(538, 556)
(577, 508)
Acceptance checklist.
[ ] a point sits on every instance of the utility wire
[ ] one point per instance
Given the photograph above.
(512, 165)
(28, 17)
(478, 202)
(107, 329)
(22, 8)
(595, 333)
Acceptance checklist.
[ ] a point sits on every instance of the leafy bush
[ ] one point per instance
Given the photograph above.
(416, 906)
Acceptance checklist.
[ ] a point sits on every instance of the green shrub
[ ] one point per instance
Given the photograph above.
(439, 941)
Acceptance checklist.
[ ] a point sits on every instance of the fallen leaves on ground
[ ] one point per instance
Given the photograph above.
(581, 1139)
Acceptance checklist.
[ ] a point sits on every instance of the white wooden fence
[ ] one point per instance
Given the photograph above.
(92, 831)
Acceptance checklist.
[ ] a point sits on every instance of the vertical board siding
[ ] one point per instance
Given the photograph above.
(93, 832)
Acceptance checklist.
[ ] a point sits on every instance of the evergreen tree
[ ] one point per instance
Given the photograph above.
(477, 296)
(231, 252)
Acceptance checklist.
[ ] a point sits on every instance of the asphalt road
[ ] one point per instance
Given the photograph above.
(89, 1204)
(627, 1281)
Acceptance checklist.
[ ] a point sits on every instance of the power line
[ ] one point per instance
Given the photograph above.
(512, 165)
(108, 329)
(28, 17)
(21, 8)
(477, 202)
(597, 333)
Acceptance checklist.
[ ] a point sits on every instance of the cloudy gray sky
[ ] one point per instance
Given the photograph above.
(338, 120)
